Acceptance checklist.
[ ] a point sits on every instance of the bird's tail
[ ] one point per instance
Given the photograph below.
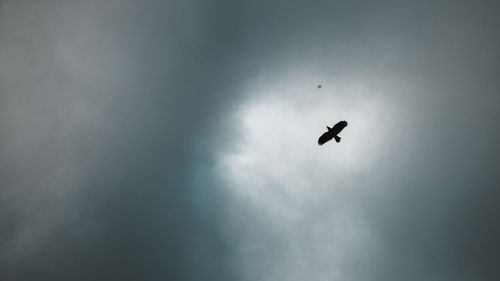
(337, 138)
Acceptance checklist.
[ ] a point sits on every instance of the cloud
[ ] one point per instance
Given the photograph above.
(134, 140)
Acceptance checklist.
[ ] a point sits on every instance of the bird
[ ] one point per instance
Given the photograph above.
(332, 133)
(319, 86)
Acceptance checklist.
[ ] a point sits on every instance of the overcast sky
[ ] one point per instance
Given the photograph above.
(177, 140)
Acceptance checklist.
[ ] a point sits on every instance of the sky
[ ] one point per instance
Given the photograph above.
(177, 140)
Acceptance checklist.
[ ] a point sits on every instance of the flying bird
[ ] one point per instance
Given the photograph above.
(332, 133)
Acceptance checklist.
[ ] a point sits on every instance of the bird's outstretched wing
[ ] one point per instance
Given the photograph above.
(339, 126)
(325, 137)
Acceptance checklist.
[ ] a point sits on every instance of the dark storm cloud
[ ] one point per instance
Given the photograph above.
(108, 109)
(100, 102)
(441, 222)
(102, 105)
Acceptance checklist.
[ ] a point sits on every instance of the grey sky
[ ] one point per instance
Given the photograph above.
(176, 140)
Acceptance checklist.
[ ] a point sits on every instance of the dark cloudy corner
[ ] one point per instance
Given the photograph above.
(177, 140)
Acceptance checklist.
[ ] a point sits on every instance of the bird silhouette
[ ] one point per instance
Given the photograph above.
(332, 133)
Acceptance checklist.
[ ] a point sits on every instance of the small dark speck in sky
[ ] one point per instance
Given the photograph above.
(319, 86)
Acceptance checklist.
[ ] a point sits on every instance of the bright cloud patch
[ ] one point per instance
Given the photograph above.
(278, 168)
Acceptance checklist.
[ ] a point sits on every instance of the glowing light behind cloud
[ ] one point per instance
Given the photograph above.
(278, 168)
